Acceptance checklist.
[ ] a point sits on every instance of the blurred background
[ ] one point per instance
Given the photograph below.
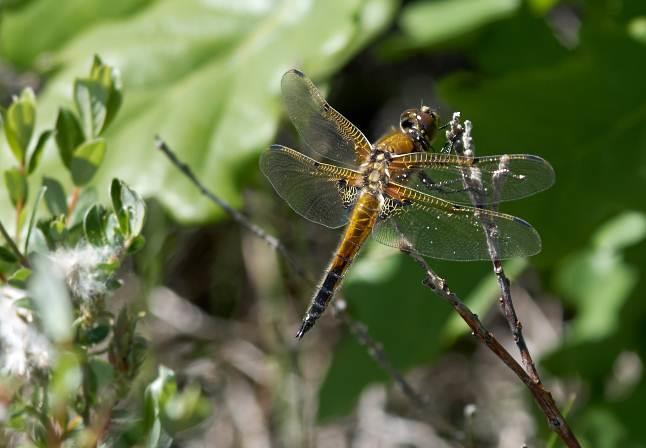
(563, 80)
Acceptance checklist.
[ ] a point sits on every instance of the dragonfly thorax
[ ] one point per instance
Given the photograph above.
(375, 172)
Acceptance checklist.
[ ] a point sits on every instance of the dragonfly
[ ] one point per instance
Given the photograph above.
(397, 189)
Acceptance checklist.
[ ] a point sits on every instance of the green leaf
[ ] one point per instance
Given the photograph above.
(32, 219)
(34, 160)
(7, 256)
(19, 121)
(94, 225)
(109, 79)
(68, 135)
(17, 187)
(19, 278)
(136, 244)
(86, 161)
(55, 197)
(35, 20)
(129, 207)
(424, 24)
(91, 99)
(224, 59)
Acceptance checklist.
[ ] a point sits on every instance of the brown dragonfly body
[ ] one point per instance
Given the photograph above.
(381, 189)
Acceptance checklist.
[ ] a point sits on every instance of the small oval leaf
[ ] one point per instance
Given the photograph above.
(86, 161)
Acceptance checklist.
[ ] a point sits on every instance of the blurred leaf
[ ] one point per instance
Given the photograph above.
(91, 99)
(7, 256)
(19, 278)
(68, 135)
(129, 207)
(17, 187)
(94, 225)
(598, 280)
(99, 376)
(429, 23)
(19, 121)
(542, 6)
(98, 97)
(66, 379)
(34, 160)
(55, 197)
(136, 245)
(196, 78)
(32, 218)
(86, 161)
(95, 334)
(184, 409)
(109, 80)
(160, 390)
(35, 21)
(47, 288)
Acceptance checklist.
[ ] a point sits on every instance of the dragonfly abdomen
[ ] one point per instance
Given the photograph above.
(360, 226)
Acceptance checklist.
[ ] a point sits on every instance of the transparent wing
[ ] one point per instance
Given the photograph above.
(440, 229)
(317, 191)
(503, 178)
(324, 130)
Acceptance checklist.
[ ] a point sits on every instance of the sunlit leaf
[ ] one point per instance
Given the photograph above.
(19, 121)
(86, 160)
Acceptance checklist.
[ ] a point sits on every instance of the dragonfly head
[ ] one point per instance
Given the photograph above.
(420, 125)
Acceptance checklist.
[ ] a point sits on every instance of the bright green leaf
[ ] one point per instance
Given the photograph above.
(86, 161)
(196, 79)
(94, 225)
(55, 197)
(32, 219)
(19, 121)
(129, 207)
(17, 187)
(91, 99)
(19, 278)
(68, 135)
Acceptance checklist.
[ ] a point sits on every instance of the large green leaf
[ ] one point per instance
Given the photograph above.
(206, 76)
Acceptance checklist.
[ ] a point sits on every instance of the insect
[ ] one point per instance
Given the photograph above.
(396, 189)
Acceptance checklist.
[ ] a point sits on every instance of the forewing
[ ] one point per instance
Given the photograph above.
(324, 130)
(439, 229)
(317, 191)
(502, 178)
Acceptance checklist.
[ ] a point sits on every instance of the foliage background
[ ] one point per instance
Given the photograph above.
(559, 79)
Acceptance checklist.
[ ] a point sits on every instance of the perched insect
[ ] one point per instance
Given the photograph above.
(395, 189)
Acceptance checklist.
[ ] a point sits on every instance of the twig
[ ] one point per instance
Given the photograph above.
(376, 352)
(542, 396)
(461, 142)
(12, 245)
(238, 217)
(359, 331)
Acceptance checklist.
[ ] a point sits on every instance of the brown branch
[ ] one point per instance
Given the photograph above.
(541, 395)
(358, 330)
(461, 141)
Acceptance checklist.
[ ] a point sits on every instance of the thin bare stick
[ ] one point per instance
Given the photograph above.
(461, 141)
(541, 395)
(238, 217)
(12, 245)
(376, 352)
(374, 349)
